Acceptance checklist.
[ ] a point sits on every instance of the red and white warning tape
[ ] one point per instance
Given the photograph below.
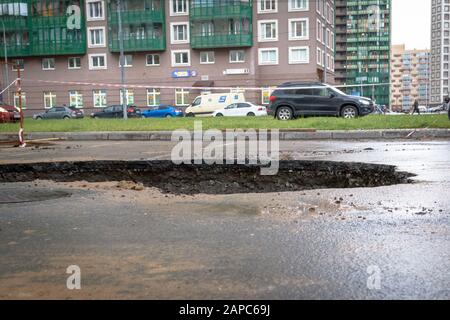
(140, 86)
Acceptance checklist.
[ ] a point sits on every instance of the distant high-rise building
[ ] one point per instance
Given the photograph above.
(440, 43)
(409, 77)
(363, 38)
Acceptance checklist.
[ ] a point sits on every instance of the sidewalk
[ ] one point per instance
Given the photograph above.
(284, 135)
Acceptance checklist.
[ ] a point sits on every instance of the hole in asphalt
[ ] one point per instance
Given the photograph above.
(212, 179)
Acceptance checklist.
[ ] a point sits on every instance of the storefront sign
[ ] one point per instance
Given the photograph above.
(184, 73)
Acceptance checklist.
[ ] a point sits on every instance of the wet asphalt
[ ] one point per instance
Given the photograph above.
(367, 243)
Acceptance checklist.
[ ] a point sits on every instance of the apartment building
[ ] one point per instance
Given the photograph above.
(173, 43)
(410, 77)
(440, 50)
(363, 39)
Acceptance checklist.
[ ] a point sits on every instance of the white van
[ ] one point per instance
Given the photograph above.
(205, 105)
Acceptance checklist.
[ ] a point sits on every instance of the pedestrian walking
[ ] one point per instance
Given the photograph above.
(416, 107)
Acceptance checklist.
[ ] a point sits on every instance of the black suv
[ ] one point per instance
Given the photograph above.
(117, 112)
(303, 99)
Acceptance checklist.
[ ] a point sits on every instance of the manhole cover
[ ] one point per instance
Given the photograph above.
(22, 196)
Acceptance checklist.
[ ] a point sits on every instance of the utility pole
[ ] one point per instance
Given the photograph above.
(6, 61)
(325, 53)
(22, 143)
(122, 61)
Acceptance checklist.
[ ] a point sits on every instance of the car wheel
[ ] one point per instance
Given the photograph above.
(219, 115)
(95, 117)
(168, 116)
(251, 114)
(284, 113)
(349, 112)
(38, 118)
(190, 115)
(143, 117)
(66, 118)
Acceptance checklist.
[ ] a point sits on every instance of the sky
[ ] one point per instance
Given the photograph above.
(411, 23)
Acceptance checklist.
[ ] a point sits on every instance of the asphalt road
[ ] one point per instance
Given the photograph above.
(388, 242)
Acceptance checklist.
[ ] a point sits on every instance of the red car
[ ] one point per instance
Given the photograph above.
(14, 114)
(4, 116)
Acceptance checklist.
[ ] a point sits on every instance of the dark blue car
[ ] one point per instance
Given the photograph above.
(162, 112)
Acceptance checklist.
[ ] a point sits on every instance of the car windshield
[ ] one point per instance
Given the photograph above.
(337, 90)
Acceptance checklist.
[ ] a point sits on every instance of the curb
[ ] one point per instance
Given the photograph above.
(284, 135)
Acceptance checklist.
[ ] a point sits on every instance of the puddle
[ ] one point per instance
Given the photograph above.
(212, 179)
(11, 195)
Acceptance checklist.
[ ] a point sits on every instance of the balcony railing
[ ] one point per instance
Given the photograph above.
(207, 10)
(137, 17)
(138, 44)
(199, 41)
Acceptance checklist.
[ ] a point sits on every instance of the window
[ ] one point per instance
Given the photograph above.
(129, 96)
(152, 60)
(265, 94)
(128, 60)
(179, 7)
(180, 32)
(153, 97)
(96, 37)
(268, 56)
(99, 97)
(181, 58)
(48, 64)
(328, 13)
(298, 29)
(18, 64)
(298, 55)
(95, 10)
(74, 63)
(49, 99)
(207, 29)
(97, 61)
(298, 5)
(328, 38)
(268, 30)
(319, 56)
(267, 6)
(207, 57)
(237, 56)
(319, 30)
(75, 99)
(181, 97)
(24, 100)
(332, 41)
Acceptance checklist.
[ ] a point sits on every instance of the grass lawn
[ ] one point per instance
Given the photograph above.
(318, 123)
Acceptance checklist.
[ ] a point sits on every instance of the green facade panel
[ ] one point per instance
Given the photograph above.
(221, 24)
(46, 27)
(143, 24)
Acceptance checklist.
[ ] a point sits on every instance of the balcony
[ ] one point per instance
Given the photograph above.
(143, 23)
(221, 24)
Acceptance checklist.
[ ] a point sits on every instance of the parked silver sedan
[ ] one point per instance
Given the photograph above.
(60, 113)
